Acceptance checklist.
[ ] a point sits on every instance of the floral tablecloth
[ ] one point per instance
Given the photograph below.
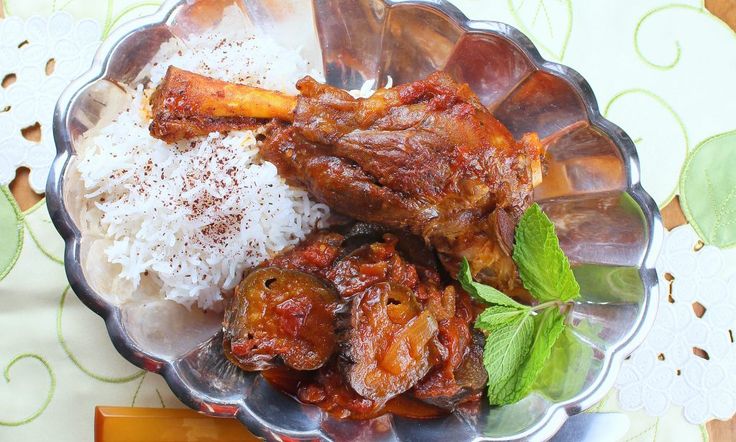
(664, 71)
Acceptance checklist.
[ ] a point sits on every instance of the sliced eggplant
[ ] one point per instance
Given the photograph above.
(281, 315)
(449, 385)
(389, 342)
(459, 376)
(371, 264)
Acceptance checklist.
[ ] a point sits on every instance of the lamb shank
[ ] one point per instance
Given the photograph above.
(425, 156)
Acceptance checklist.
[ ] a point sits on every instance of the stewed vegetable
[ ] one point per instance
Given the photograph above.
(389, 342)
(376, 326)
(281, 314)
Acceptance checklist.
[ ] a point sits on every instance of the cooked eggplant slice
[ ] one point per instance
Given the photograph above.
(459, 376)
(471, 374)
(389, 342)
(371, 264)
(281, 314)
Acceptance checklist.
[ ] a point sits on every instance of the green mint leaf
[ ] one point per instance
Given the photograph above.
(543, 266)
(547, 328)
(504, 353)
(496, 316)
(483, 292)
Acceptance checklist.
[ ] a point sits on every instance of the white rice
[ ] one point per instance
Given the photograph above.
(369, 87)
(194, 215)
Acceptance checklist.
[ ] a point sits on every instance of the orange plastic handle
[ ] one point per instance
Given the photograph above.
(128, 424)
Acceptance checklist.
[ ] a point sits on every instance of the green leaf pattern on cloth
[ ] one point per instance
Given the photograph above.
(662, 130)
(50, 391)
(109, 13)
(75, 359)
(653, 59)
(11, 231)
(547, 22)
(709, 190)
(644, 428)
(42, 233)
(56, 357)
(146, 378)
(62, 340)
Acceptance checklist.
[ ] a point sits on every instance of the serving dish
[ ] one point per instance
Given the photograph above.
(607, 224)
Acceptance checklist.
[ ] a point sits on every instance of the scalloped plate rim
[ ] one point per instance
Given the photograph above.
(555, 415)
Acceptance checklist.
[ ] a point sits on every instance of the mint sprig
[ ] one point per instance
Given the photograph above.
(548, 325)
(483, 292)
(543, 266)
(519, 337)
(503, 355)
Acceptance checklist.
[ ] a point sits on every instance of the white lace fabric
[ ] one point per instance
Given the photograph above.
(26, 48)
(688, 360)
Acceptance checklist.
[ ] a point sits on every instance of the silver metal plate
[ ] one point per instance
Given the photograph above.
(608, 225)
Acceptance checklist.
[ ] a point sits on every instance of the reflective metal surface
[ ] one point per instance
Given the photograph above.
(594, 427)
(608, 225)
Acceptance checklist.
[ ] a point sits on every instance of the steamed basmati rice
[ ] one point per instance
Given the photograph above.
(192, 216)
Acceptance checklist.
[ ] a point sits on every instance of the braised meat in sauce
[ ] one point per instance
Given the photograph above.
(425, 156)
(185, 106)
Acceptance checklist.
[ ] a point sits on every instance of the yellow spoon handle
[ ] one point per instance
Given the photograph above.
(128, 424)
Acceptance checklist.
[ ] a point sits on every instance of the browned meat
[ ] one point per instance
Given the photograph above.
(390, 334)
(374, 260)
(186, 105)
(460, 375)
(471, 374)
(370, 264)
(277, 313)
(333, 394)
(425, 156)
